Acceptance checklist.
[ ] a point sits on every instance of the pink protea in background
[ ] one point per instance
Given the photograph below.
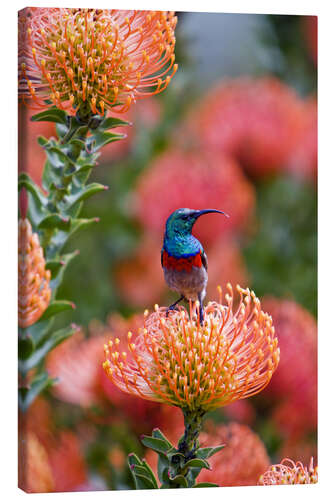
(226, 265)
(289, 472)
(241, 462)
(303, 157)
(34, 472)
(34, 292)
(195, 179)
(77, 363)
(294, 386)
(91, 60)
(256, 120)
(176, 360)
(140, 278)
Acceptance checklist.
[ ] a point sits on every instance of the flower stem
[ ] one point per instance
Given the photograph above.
(189, 444)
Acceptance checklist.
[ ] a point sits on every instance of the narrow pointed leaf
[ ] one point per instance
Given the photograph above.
(56, 307)
(209, 452)
(25, 347)
(156, 444)
(85, 193)
(198, 462)
(55, 221)
(112, 122)
(206, 485)
(181, 480)
(27, 395)
(159, 434)
(51, 115)
(49, 344)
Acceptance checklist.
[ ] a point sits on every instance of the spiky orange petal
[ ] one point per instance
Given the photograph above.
(176, 360)
(289, 472)
(94, 59)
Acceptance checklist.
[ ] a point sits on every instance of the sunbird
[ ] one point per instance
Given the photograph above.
(183, 258)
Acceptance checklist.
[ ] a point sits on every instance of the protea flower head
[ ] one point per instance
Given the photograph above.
(289, 472)
(90, 60)
(33, 279)
(198, 367)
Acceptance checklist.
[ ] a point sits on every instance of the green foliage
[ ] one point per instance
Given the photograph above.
(54, 215)
(174, 469)
(282, 256)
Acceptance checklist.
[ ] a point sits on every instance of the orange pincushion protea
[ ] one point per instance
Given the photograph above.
(178, 361)
(289, 472)
(33, 279)
(94, 59)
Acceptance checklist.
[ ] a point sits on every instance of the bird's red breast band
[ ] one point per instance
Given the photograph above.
(181, 263)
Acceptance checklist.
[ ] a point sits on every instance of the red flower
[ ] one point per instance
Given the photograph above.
(257, 120)
(197, 180)
(140, 278)
(303, 157)
(242, 460)
(226, 265)
(294, 386)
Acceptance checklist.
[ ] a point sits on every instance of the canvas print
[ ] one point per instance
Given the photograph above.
(167, 250)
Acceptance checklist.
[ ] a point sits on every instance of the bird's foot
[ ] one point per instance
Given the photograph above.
(173, 306)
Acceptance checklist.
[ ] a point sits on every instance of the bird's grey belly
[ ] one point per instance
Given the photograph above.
(187, 283)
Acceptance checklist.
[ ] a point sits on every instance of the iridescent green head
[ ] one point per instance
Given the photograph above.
(181, 221)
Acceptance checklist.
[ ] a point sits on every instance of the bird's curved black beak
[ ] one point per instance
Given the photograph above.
(199, 213)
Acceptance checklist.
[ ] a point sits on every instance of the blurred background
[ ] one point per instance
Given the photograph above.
(236, 130)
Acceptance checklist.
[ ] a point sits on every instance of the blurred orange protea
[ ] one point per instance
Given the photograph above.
(34, 471)
(33, 279)
(294, 386)
(90, 60)
(176, 360)
(195, 179)
(256, 120)
(226, 265)
(140, 278)
(303, 158)
(289, 472)
(241, 462)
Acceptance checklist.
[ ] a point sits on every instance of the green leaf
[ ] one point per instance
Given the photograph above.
(159, 434)
(209, 452)
(162, 467)
(150, 472)
(112, 122)
(26, 395)
(37, 331)
(206, 485)
(64, 260)
(49, 344)
(156, 444)
(55, 221)
(85, 193)
(141, 477)
(51, 115)
(25, 346)
(181, 480)
(56, 307)
(101, 139)
(198, 462)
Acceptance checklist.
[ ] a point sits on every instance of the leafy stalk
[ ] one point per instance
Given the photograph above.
(177, 467)
(54, 214)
